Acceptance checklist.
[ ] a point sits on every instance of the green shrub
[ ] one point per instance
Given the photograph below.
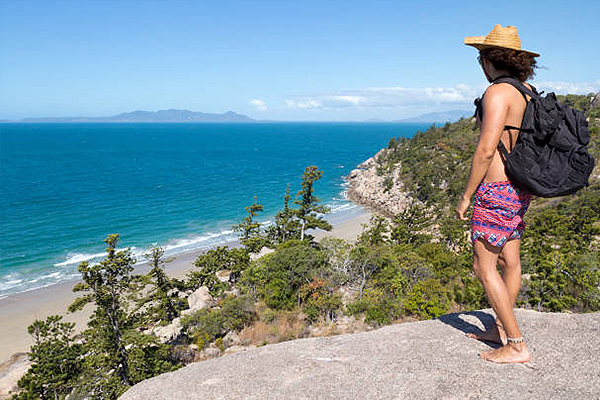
(204, 326)
(279, 277)
(469, 294)
(323, 305)
(238, 311)
(379, 306)
(428, 299)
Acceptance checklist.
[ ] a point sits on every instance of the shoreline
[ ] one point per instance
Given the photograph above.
(19, 310)
(179, 245)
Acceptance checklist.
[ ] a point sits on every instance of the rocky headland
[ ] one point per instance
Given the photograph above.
(368, 188)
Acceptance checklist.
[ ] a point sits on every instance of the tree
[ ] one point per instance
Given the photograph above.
(286, 225)
(117, 355)
(250, 236)
(162, 300)
(339, 262)
(366, 261)
(377, 232)
(454, 234)
(211, 261)
(55, 358)
(309, 210)
(409, 224)
(319, 300)
(106, 284)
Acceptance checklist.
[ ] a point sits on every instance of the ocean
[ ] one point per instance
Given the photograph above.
(65, 187)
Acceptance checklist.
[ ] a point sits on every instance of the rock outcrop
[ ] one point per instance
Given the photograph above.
(263, 251)
(167, 333)
(368, 189)
(198, 299)
(421, 360)
(595, 103)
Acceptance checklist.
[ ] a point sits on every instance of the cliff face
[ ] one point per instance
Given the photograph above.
(367, 188)
(422, 360)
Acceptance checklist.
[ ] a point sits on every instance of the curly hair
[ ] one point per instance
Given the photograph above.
(517, 63)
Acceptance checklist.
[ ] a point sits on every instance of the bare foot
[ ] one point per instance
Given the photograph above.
(495, 334)
(510, 353)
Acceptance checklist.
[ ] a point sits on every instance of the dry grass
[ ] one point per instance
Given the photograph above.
(274, 327)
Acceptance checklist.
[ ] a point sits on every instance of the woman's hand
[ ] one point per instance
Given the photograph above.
(462, 207)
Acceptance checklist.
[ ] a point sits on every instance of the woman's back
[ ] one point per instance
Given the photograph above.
(515, 108)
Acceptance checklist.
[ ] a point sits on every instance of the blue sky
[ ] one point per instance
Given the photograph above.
(284, 60)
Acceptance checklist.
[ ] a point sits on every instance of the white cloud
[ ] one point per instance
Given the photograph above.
(401, 102)
(303, 105)
(355, 100)
(569, 87)
(393, 97)
(259, 104)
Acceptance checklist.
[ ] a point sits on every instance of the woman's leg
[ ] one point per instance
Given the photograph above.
(509, 261)
(485, 257)
(510, 265)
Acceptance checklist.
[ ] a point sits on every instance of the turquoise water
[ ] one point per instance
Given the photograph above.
(65, 187)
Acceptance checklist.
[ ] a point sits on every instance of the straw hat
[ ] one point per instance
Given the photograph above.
(506, 38)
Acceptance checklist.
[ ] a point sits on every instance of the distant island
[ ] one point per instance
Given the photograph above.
(152, 116)
(433, 117)
(174, 115)
(444, 116)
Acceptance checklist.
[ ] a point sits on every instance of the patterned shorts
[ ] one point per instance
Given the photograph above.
(498, 212)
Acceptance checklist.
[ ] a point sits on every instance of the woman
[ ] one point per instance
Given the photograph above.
(497, 222)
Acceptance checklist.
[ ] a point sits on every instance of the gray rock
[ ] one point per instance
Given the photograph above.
(199, 298)
(422, 360)
(595, 103)
(169, 332)
(234, 291)
(223, 275)
(231, 339)
(368, 189)
(234, 349)
(263, 251)
(211, 352)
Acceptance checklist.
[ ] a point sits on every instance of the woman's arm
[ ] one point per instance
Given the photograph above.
(495, 105)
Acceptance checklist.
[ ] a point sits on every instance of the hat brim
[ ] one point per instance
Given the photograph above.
(477, 42)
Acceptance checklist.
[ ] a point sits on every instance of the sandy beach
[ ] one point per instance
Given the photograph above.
(19, 310)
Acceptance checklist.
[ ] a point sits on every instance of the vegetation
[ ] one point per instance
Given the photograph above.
(205, 326)
(250, 229)
(162, 303)
(56, 360)
(286, 225)
(416, 265)
(208, 263)
(309, 209)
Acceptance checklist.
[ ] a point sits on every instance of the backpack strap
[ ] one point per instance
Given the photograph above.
(503, 150)
(512, 127)
(519, 86)
(525, 91)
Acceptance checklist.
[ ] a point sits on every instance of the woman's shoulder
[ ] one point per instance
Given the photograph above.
(498, 92)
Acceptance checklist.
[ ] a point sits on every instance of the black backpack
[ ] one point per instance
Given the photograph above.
(550, 157)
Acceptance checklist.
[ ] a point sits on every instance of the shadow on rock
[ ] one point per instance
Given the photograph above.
(460, 321)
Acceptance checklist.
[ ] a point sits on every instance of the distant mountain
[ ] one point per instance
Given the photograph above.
(444, 116)
(154, 116)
